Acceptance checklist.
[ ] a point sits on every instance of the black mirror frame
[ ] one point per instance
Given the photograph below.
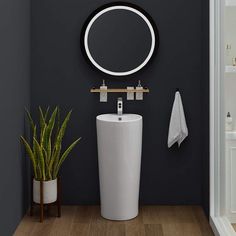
(119, 3)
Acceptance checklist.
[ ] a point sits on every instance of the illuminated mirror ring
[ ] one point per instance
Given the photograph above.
(107, 9)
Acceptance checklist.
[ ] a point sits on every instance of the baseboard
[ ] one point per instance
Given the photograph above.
(232, 218)
(221, 226)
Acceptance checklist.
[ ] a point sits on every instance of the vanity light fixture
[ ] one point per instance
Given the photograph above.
(111, 46)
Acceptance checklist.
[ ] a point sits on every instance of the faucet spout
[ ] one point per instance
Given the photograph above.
(119, 106)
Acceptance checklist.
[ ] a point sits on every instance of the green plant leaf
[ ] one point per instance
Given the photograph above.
(43, 136)
(54, 147)
(56, 159)
(31, 154)
(34, 149)
(45, 157)
(64, 156)
(46, 114)
(39, 172)
(41, 159)
(30, 119)
(34, 137)
(49, 150)
(47, 171)
(58, 141)
(42, 121)
(58, 121)
(51, 123)
(50, 127)
(63, 127)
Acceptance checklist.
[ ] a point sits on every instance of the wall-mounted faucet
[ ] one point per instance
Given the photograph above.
(119, 106)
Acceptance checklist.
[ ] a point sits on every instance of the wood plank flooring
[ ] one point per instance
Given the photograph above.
(152, 221)
(234, 226)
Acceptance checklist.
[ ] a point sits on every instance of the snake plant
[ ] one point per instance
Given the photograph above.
(45, 148)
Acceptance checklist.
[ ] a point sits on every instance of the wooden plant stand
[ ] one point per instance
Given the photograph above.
(41, 204)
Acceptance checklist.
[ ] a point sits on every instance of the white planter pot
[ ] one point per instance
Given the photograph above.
(49, 191)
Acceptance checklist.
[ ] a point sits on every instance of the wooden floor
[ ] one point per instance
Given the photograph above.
(152, 221)
(234, 226)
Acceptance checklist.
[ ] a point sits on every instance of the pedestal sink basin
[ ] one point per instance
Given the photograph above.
(119, 156)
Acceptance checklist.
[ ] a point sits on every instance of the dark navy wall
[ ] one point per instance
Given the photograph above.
(60, 75)
(14, 96)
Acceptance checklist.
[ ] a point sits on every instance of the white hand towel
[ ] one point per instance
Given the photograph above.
(178, 130)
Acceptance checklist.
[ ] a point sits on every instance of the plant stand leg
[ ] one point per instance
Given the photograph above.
(41, 201)
(58, 197)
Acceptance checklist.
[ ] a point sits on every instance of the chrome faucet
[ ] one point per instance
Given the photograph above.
(119, 106)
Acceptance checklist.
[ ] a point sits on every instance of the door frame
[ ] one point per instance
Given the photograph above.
(219, 223)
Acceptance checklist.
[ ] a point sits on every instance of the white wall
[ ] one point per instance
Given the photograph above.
(230, 33)
(230, 78)
(230, 97)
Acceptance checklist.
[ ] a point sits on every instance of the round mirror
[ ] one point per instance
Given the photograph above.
(119, 39)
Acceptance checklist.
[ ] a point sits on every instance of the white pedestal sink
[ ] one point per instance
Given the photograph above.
(119, 156)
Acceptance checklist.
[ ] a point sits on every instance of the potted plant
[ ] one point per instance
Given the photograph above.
(45, 152)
